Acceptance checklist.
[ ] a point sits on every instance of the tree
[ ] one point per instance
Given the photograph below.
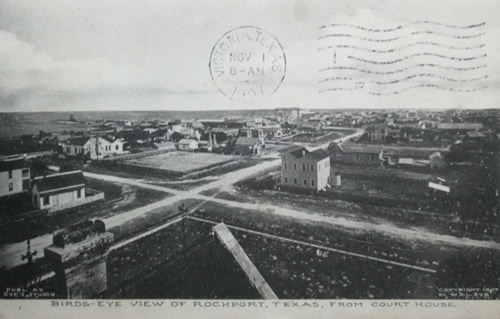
(176, 137)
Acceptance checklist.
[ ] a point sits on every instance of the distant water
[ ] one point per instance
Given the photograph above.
(17, 124)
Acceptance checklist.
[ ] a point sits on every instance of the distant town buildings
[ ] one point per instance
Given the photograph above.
(305, 169)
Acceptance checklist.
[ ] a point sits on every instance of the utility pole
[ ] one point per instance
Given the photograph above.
(29, 258)
(183, 210)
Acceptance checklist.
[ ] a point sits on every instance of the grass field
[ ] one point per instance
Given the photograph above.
(181, 161)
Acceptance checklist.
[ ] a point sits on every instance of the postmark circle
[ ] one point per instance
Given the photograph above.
(247, 64)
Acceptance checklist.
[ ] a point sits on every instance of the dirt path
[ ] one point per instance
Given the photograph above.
(365, 226)
(10, 255)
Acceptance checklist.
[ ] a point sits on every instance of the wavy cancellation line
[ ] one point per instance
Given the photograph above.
(335, 90)
(416, 55)
(430, 75)
(472, 26)
(414, 33)
(422, 65)
(347, 78)
(404, 47)
(436, 86)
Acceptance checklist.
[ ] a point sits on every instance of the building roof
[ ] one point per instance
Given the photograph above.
(12, 164)
(317, 155)
(59, 181)
(475, 134)
(408, 152)
(248, 141)
(360, 148)
(78, 140)
(435, 155)
(197, 125)
(460, 126)
(186, 141)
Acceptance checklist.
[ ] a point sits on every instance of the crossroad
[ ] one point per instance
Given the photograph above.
(10, 254)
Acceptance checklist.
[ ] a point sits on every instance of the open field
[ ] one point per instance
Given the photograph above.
(182, 162)
(158, 266)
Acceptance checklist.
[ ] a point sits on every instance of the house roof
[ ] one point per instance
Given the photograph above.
(12, 164)
(460, 126)
(78, 140)
(360, 148)
(271, 128)
(186, 141)
(247, 141)
(59, 181)
(475, 134)
(197, 125)
(317, 155)
(435, 154)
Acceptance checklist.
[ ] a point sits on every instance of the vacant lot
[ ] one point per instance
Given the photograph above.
(181, 161)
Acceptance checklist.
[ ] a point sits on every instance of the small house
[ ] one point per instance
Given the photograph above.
(62, 191)
(248, 146)
(187, 145)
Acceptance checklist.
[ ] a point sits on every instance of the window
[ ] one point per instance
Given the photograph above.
(312, 182)
(357, 157)
(11, 187)
(294, 166)
(116, 147)
(312, 167)
(26, 172)
(26, 184)
(79, 193)
(295, 181)
(68, 149)
(305, 182)
(373, 157)
(304, 167)
(285, 165)
(46, 200)
(10, 173)
(286, 180)
(75, 150)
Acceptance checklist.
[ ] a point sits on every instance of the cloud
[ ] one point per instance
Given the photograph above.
(26, 73)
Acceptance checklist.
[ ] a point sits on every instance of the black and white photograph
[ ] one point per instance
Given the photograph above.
(253, 154)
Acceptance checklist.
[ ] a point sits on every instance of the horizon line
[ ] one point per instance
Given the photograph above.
(256, 109)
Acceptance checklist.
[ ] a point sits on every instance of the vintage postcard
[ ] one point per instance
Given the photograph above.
(288, 159)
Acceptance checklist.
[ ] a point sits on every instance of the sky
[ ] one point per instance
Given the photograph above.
(60, 55)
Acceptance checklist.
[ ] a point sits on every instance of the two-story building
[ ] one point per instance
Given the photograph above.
(305, 169)
(377, 132)
(96, 147)
(14, 177)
